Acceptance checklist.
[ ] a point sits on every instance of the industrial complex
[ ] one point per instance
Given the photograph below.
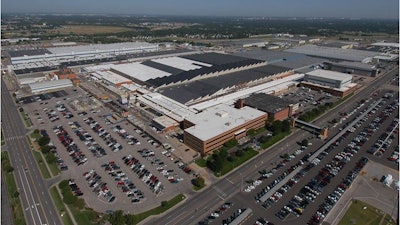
(197, 91)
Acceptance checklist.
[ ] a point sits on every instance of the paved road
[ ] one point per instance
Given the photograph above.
(36, 202)
(228, 188)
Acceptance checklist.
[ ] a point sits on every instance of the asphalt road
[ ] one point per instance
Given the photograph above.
(228, 188)
(36, 201)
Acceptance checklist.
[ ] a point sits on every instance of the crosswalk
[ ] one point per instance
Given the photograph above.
(15, 138)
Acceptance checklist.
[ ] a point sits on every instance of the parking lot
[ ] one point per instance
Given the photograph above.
(94, 153)
(294, 191)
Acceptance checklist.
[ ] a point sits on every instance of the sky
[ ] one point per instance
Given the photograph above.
(270, 8)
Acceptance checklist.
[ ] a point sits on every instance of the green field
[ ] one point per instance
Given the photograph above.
(364, 214)
(237, 161)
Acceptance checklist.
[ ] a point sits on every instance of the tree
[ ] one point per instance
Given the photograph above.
(164, 204)
(45, 149)
(199, 182)
(51, 158)
(43, 141)
(80, 203)
(285, 126)
(304, 142)
(117, 218)
(229, 158)
(69, 198)
(239, 153)
(36, 131)
(130, 219)
(276, 127)
(63, 184)
(21, 109)
(231, 143)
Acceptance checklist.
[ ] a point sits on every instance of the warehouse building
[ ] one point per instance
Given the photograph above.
(328, 78)
(335, 83)
(334, 53)
(111, 78)
(276, 108)
(49, 85)
(352, 68)
(210, 129)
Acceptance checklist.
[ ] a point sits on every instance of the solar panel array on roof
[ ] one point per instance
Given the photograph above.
(268, 55)
(169, 69)
(267, 103)
(214, 58)
(201, 88)
(188, 75)
(29, 52)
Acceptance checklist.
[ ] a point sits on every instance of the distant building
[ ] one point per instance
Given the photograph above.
(210, 129)
(352, 68)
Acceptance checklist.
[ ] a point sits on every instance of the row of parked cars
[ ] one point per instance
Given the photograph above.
(125, 135)
(160, 166)
(110, 141)
(337, 193)
(98, 186)
(151, 180)
(74, 188)
(289, 184)
(310, 191)
(84, 136)
(123, 182)
(76, 154)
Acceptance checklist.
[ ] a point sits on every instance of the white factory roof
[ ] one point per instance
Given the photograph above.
(268, 87)
(139, 71)
(330, 75)
(123, 46)
(219, 119)
(386, 44)
(131, 87)
(167, 106)
(112, 77)
(334, 53)
(181, 63)
(49, 85)
(95, 68)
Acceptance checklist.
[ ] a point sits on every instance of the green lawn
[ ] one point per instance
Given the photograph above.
(66, 219)
(26, 119)
(201, 162)
(3, 141)
(273, 139)
(35, 136)
(237, 161)
(85, 216)
(42, 166)
(362, 213)
(160, 209)
(16, 207)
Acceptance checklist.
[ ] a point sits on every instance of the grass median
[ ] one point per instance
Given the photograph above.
(42, 164)
(237, 161)
(13, 194)
(65, 217)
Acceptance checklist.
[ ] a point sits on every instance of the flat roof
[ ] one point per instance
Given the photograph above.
(267, 103)
(165, 121)
(215, 58)
(99, 47)
(386, 44)
(209, 86)
(219, 119)
(50, 84)
(28, 52)
(181, 63)
(167, 106)
(330, 74)
(268, 55)
(334, 53)
(139, 71)
(356, 65)
(113, 77)
(268, 87)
